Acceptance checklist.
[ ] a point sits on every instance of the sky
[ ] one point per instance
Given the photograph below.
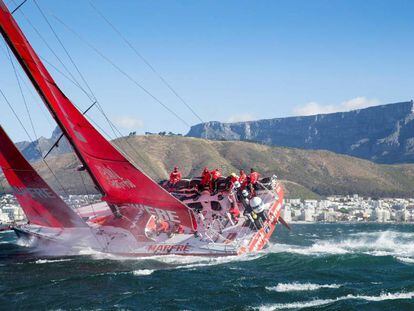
(229, 60)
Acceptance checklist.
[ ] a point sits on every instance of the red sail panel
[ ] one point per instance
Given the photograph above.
(40, 203)
(120, 181)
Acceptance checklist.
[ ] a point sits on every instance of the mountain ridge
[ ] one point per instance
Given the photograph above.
(383, 134)
(306, 173)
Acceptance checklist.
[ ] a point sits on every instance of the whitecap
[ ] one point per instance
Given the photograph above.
(42, 261)
(387, 243)
(321, 302)
(295, 286)
(405, 259)
(143, 272)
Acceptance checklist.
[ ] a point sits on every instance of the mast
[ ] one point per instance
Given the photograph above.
(120, 182)
(5, 13)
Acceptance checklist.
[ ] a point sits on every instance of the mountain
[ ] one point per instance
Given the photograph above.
(383, 134)
(305, 173)
(35, 150)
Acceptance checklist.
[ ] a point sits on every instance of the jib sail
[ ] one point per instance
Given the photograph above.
(40, 203)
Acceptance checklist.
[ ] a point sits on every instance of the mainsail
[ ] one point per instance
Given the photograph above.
(40, 203)
(120, 182)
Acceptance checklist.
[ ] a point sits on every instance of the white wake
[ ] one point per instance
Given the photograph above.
(380, 243)
(321, 302)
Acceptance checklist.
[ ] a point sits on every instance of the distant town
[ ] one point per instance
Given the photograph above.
(348, 208)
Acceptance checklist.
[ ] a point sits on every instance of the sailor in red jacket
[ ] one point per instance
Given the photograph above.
(254, 178)
(231, 180)
(215, 175)
(243, 179)
(205, 178)
(175, 176)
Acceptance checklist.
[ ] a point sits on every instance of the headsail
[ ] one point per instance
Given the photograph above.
(121, 182)
(40, 203)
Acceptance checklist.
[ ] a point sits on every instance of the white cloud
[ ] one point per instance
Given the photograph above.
(128, 122)
(313, 108)
(240, 118)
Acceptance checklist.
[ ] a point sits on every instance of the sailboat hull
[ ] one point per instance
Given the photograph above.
(232, 240)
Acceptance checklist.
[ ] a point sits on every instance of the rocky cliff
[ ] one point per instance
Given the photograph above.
(383, 134)
(33, 151)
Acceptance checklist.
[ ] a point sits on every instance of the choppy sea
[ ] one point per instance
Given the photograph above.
(314, 266)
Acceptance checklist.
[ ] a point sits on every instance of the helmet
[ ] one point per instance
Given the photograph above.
(245, 193)
(237, 185)
(256, 204)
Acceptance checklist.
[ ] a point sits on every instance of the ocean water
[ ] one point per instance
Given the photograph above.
(314, 266)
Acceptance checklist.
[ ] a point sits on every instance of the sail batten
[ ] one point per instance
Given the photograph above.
(121, 183)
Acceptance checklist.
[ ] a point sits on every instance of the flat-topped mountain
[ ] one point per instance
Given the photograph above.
(383, 134)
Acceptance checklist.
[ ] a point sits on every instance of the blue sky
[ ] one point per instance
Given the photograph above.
(231, 60)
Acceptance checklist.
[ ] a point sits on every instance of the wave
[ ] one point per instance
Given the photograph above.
(42, 261)
(405, 259)
(386, 243)
(295, 287)
(321, 302)
(143, 272)
(187, 262)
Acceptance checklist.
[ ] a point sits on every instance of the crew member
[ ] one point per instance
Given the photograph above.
(243, 179)
(216, 174)
(245, 202)
(254, 178)
(179, 229)
(258, 208)
(175, 176)
(205, 179)
(234, 212)
(163, 227)
(231, 180)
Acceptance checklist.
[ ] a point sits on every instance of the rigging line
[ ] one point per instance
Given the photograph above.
(51, 50)
(140, 156)
(91, 204)
(1, 183)
(68, 78)
(56, 144)
(15, 114)
(129, 77)
(64, 48)
(90, 95)
(41, 107)
(57, 179)
(30, 138)
(18, 7)
(137, 53)
(23, 97)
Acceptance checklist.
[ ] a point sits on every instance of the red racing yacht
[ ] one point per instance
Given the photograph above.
(137, 216)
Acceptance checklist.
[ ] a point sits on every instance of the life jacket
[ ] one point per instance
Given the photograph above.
(243, 180)
(233, 178)
(216, 175)
(235, 212)
(205, 178)
(254, 177)
(179, 229)
(163, 226)
(175, 177)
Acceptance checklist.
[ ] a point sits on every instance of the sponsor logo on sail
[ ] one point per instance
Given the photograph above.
(114, 179)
